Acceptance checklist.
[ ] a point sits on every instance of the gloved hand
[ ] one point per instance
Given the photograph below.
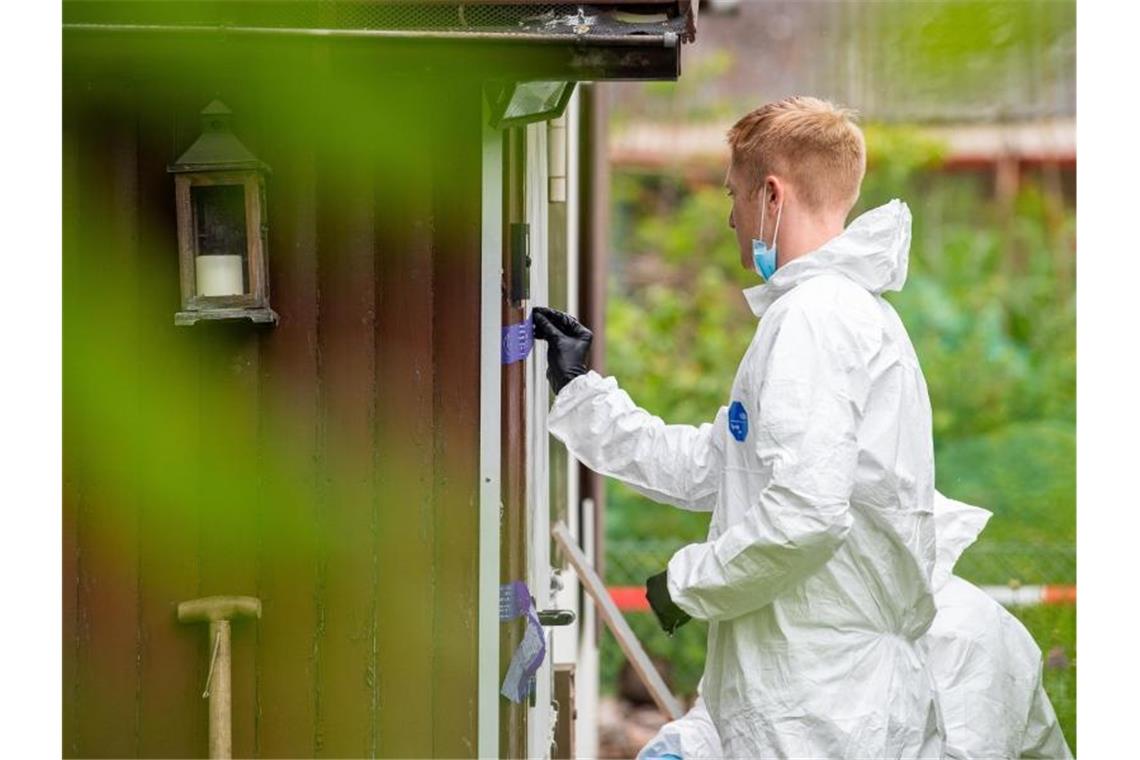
(670, 616)
(568, 345)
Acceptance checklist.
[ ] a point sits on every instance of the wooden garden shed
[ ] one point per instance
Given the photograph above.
(344, 423)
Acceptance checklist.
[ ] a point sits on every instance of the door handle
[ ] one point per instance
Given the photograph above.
(552, 618)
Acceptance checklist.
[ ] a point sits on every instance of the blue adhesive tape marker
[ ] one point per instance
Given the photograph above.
(518, 339)
(515, 601)
(526, 660)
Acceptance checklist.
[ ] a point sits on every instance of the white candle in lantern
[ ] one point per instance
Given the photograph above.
(219, 275)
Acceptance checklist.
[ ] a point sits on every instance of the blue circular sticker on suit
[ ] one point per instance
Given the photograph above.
(738, 421)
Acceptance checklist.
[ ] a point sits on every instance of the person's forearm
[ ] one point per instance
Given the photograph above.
(602, 427)
(777, 545)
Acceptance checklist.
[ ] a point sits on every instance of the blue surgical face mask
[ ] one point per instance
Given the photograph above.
(763, 254)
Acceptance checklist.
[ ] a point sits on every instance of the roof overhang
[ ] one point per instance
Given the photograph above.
(621, 39)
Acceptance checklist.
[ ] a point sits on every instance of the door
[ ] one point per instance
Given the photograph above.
(538, 478)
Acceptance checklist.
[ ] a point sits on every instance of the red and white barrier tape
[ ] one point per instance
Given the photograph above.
(1028, 596)
(632, 598)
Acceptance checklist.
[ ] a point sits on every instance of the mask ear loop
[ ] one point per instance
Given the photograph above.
(776, 232)
(763, 207)
(760, 234)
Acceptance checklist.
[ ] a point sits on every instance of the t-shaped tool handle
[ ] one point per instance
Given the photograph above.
(213, 608)
(218, 611)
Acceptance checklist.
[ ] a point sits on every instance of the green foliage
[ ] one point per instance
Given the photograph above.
(1024, 473)
(688, 97)
(895, 154)
(684, 652)
(968, 43)
(1054, 628)
(892, 59)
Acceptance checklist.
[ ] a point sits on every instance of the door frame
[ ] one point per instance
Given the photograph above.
(540, 718)
(490, 490)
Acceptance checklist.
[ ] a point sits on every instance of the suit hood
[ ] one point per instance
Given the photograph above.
(957, 526)
(872, 251)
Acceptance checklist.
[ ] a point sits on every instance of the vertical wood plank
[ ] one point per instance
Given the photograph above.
(406, 527)
(457, 190)
(172, 713)
(287, 685)
(243, 565)
(106, 677)
(73, 334)
(227, 488)
(348, 371)
(513, 541)
(594, 181)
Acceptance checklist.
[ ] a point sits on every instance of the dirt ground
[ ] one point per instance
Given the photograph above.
(624, 727)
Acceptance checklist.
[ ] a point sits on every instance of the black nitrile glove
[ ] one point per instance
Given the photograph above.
(568, 345)
(670, 616)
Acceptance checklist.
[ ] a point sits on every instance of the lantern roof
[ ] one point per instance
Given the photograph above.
(217, 148)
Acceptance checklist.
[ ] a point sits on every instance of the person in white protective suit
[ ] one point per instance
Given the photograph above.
(819, 470)
(986, 667)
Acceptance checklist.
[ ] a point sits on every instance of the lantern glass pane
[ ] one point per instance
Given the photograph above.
(219, 240)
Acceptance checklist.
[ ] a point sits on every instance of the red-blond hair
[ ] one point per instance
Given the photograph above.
(813, 144)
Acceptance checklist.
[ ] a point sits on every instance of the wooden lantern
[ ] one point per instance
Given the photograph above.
(219, 188)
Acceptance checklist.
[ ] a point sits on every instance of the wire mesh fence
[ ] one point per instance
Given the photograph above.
(999, 563)
(629, 563)
(682, 656)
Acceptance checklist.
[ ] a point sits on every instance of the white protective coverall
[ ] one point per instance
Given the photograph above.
(820, 476)
(986, 666)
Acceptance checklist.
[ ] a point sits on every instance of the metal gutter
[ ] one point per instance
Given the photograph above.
(668, 39)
